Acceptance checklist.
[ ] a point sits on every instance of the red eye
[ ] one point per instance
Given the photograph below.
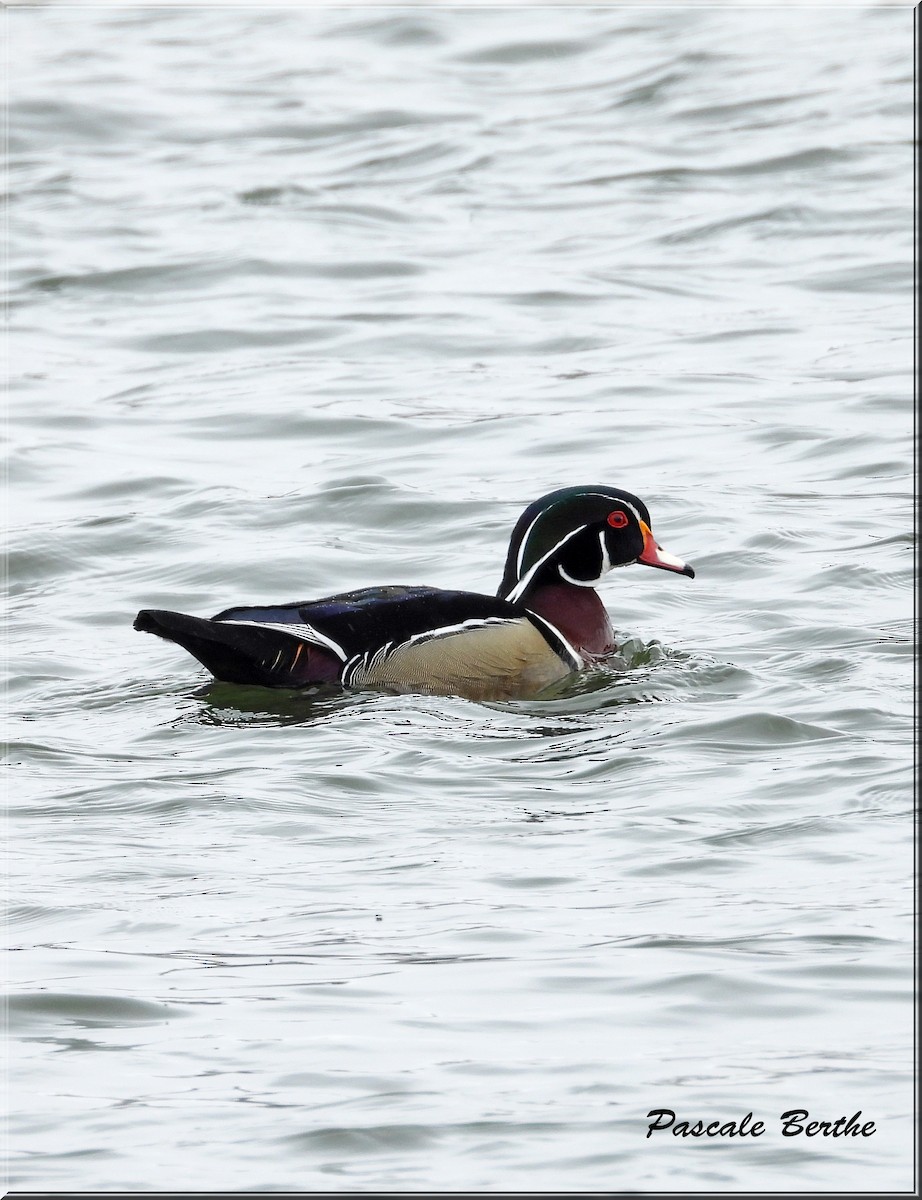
(617, 520)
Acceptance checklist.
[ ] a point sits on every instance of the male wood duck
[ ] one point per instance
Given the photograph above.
(545, 621)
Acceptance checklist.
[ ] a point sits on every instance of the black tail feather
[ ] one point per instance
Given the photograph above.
(243, 653)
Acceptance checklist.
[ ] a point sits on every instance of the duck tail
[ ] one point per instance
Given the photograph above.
(243, 653)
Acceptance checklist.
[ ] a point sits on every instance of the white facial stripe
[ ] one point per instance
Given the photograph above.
(605, 496)
(604, 567)
(612, 500)
(521, 554)
(577, 582)
(302, 632)
(523, 582)
(526, 579)
(606, 561)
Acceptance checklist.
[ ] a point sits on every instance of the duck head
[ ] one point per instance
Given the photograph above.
(569, 540)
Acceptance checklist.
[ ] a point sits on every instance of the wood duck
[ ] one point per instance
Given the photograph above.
(545, 621)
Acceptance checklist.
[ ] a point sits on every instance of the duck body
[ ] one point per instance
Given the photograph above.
(414, 639)
(546, 621)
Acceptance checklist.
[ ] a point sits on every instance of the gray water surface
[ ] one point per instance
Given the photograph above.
(307, 300)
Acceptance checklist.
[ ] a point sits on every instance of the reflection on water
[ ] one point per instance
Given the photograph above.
(232, 704)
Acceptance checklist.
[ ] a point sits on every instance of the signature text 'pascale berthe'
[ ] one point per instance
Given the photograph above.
(794, 1122)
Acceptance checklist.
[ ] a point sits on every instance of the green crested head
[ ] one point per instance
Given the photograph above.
(576, 535)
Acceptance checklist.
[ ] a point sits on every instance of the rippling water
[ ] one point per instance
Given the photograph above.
(306, 300)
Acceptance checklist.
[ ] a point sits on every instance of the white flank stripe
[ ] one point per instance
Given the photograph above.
(447, 630)
(577, 661)
(364, 664)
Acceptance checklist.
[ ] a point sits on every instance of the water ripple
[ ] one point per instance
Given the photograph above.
(303, 300)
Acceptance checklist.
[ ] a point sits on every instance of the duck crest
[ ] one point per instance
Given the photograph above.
(566, 535)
